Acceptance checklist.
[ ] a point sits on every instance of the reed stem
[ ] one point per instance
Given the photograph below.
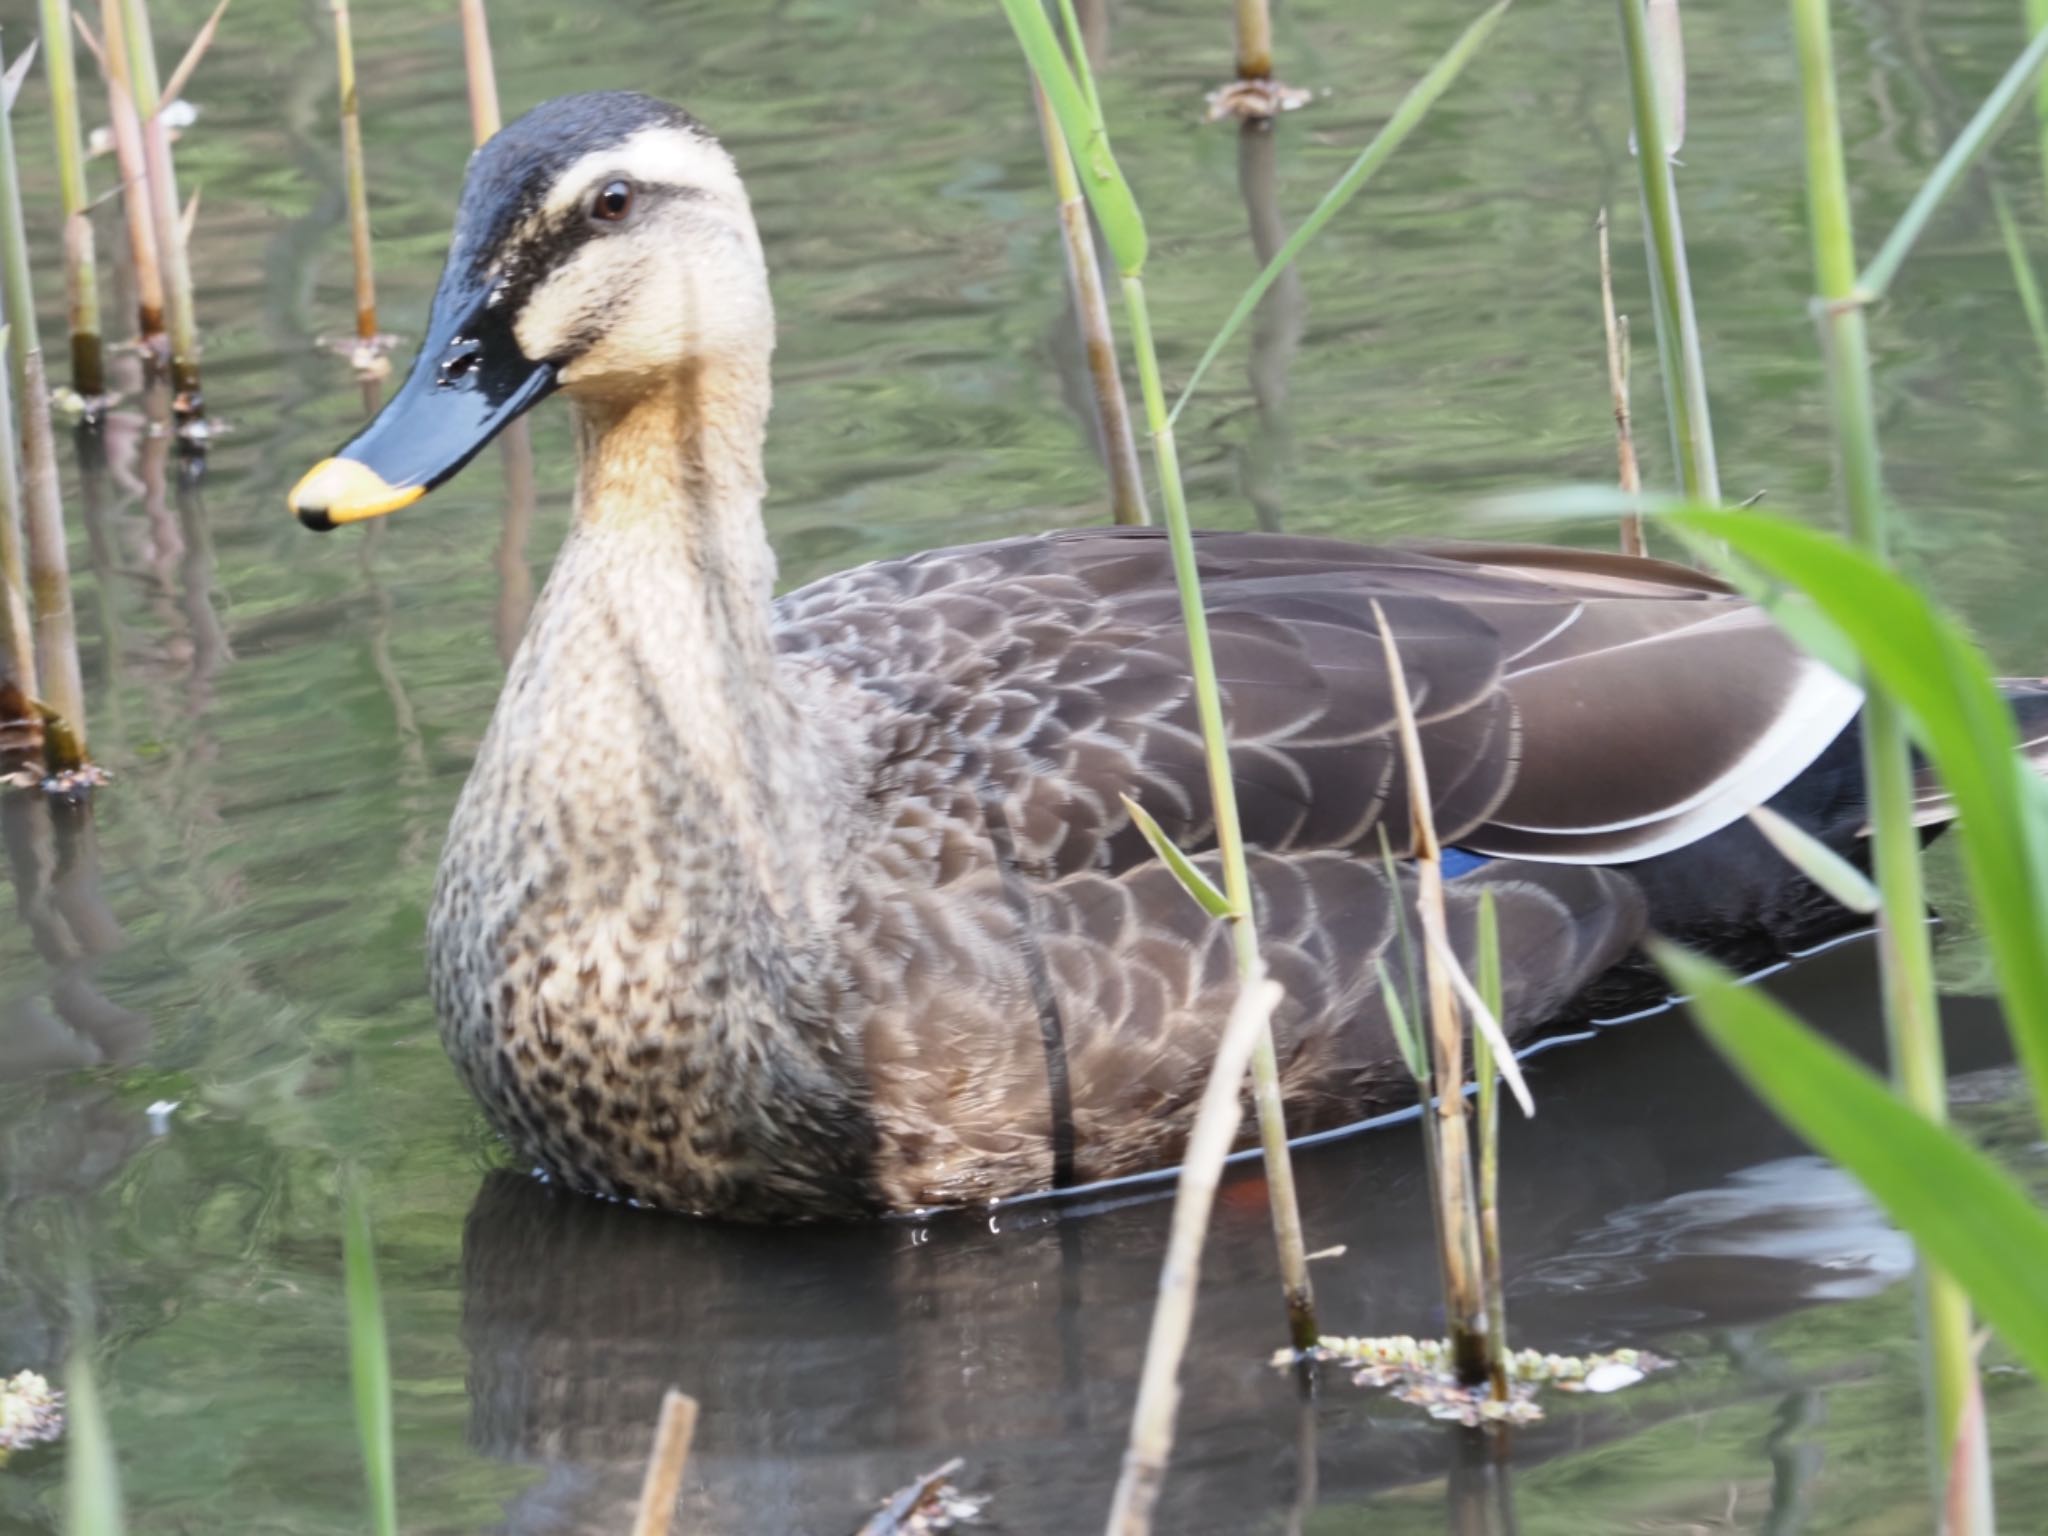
(358, 184)
(1215, 1130)
(1678, 332)
(1457, 1216)
(1254, 40)
(662, 1484)
(515, 443)
(20, 631)
(49, 566)
(179, 316)
(81, 275)
(1616, 328)
(1091, 316)
(1912, 1020)
(483, 77)
(136, 200)
(1486, 1070)
(1296, 1290)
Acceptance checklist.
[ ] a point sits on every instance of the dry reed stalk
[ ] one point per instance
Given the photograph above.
(1254, 40)
(1215, 1130)
(515, 443)
(1492, 1268)
(179, 317)
(49, 571)
(81, 275)
(358, 184)
(1091, 316)
(1632, 542)
(1457, 1204)
(133, 162)
(483, 78)
(663, 1483)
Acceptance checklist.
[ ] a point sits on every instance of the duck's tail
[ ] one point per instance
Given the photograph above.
(2028, 697)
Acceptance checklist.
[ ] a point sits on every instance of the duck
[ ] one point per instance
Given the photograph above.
(830, 905)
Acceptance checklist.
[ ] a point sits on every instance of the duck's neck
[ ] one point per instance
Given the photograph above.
(654, 642)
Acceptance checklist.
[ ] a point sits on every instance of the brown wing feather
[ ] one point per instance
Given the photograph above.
(1575, 706)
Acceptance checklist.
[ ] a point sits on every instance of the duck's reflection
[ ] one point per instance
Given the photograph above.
(1651, 1196)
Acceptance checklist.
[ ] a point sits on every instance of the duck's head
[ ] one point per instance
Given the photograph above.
(603, 245)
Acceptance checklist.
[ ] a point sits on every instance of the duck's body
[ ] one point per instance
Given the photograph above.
(831, 905)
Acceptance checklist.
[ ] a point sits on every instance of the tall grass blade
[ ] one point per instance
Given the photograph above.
(1192, 880)
(1080, 119)
(1297, 1289)
(1407, 117)
(81, 274)
(1966, 1213)
(1905, 951)
(49, 560)
(1678, 328)
(1917, 656)
(92, 1479)
(1977, 134)
(17, 72)
(2023, 280)
(1173, 1314)
(1405, 1038)
(1843, 881)
(369, 1362)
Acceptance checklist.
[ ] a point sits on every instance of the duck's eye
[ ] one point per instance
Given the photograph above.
(613, 202)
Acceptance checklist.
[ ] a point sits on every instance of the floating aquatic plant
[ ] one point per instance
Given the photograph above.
(1422, 1372)
(31, 1413)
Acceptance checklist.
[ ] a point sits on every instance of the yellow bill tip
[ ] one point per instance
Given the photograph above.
(337, 491)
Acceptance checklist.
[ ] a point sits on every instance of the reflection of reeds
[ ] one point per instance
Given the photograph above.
(92, 1478)
(138, 50)
(81, 276)
(49, 574)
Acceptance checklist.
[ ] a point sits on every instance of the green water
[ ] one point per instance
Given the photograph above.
(213, 1001)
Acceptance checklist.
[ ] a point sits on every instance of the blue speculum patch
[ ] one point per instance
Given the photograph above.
(1458, 862)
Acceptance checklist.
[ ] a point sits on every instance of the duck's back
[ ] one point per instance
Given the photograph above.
(1037, 997)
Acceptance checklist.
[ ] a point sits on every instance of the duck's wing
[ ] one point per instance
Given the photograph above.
(1575, 707)
(1133, 984)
